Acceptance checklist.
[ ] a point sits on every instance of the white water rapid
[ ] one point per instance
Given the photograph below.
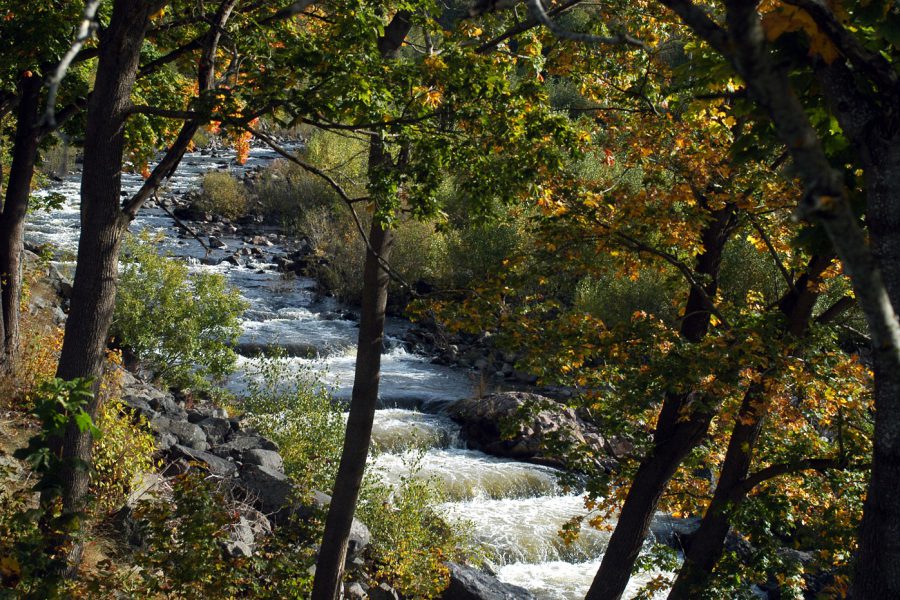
(515, 509)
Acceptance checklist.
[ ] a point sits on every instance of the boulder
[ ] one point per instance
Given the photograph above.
(468, 583)
(210, 462)
(356, 591)
(242, 537)
(383, 592)
(674, 532)
(216, 429)
(360, 536)
(264, 458)
(238, 442)
(522, 426)
(269, 489)
(188, 434)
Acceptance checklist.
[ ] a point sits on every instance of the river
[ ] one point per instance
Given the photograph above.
(515, 509)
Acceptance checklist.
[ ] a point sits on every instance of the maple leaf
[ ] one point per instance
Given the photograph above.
(790, 19)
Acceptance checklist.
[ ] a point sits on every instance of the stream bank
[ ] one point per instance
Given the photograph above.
(515, 508)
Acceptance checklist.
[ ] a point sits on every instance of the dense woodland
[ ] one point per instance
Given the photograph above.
(678, 219)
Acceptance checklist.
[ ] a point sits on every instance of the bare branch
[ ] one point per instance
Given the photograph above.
(185, 115)
(85, 31)
(536, 8)
(180, 223)
(350, 202)
(523, 26)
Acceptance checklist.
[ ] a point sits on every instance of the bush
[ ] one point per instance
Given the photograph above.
(184, 556)
(124, 450)
(182, 325)
(287, 192)
(223, 194)
(615, 298)
(411, 542)
(296, 411)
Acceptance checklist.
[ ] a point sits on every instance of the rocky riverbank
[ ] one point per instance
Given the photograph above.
(196, 436)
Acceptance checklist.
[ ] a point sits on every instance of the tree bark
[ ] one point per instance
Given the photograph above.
(675, 435)
(15, 206)
(877, 572)
(102, 226)
(333, 553)
(708, 543)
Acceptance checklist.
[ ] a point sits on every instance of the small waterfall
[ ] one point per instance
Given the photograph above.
(514, 509)
(471, 475)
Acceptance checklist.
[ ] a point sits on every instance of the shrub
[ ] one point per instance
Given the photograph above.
(287, 192)
(411, 542)
(223, 194)
(295, 410)
(615, 298)
(124, 450)
(182, 325)
(184, 556)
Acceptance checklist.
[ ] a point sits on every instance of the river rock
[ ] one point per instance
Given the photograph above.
(188, 434)
(469, 583)
(269, 489)
(210, 462)
(263, 458)
(522, 426)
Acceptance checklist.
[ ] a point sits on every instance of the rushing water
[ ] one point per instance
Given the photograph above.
(514, 509)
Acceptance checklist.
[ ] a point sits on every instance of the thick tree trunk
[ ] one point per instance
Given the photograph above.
(643, 498)
(877, 573)
(333, 553)
(675, 436)
(102, 226)
(12, 220)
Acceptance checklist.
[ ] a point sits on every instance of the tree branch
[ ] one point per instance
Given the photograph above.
(85, 30)
(772, 251)
(682, 268)
(810, 464)
(350, 202)
(536, 8)
(835, 310)
(873, 65)
(523, 26)
(701, 23)
(205, 79)
(184, 115)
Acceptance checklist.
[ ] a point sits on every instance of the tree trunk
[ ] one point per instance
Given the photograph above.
(102, 226)
(708, 544)
(643, 498)
(333, 552)
(675, 436)
(12, 220)
(877, 572)
(332, 555)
